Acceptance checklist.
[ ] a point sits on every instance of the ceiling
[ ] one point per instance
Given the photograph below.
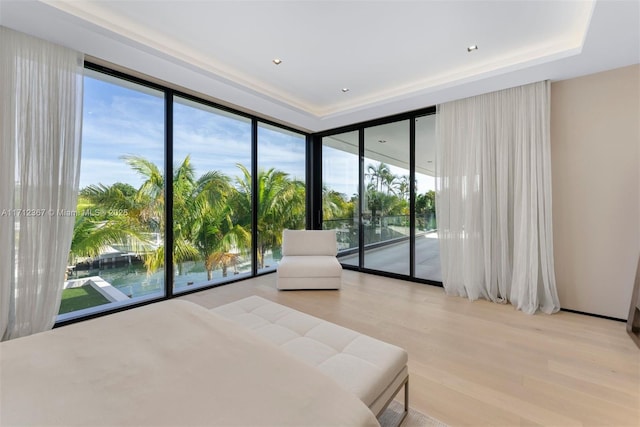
(393, 56)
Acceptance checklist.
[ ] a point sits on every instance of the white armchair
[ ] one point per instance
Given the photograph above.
(309, 260)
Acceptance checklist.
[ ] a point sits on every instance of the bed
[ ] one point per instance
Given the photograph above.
(170, 363)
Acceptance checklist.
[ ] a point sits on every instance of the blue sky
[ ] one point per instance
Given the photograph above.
(120, 121)
(129, 120)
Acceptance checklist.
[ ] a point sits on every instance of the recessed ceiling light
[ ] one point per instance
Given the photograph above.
(277, 61)
(382, 141)
(345, 89)
(472, 48)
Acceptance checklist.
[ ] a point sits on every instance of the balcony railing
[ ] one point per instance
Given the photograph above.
(377, 230)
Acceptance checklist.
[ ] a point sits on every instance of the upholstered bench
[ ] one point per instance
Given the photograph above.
(373, 370)
(309, 260)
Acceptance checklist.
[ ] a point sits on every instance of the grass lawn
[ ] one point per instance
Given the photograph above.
(78, 298)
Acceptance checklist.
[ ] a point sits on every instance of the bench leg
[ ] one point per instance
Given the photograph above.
(404, 384)
(406, 401)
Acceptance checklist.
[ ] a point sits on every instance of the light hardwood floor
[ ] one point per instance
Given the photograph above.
(479, 363)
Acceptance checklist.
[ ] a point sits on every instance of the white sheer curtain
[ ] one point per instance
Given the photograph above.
(494, 198)
(41, 113)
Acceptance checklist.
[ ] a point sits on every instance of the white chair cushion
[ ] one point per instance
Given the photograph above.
(309, 266)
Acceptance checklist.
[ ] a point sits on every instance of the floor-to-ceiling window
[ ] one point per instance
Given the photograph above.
(115, 256)
(148, 227)
(211, 195)
(378, 191)
(340, 192)
(427, 252)
(281, 190)
(385, 215)
(232, 183)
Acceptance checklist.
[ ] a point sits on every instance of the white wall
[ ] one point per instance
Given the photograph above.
(595, 154)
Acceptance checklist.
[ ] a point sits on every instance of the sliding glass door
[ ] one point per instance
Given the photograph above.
(427, 252)
(340, 193)
(385, 216)
(378, 192)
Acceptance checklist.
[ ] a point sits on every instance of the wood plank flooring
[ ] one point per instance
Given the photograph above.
(479, 363)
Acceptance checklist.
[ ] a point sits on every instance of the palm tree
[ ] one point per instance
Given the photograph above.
(402, 186)
(281, 204)
(203, 218)
(222, 259)
(377, 175)
(151, 195)
(217, 234)
(108, 215)
(211, 219)
(390, 181)
(380, 177)
(426, 208)
(203, 223)
(334, 204)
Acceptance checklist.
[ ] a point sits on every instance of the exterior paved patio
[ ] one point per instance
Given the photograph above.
(394, 258)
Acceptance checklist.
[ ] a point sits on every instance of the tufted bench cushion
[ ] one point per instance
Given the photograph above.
(372, 369)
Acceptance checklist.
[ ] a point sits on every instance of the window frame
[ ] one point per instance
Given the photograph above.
(169, 94)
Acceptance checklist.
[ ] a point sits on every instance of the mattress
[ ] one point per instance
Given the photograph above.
(170, 363)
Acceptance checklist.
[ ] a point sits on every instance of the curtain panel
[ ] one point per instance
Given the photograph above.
(493, 203)
(41, 112)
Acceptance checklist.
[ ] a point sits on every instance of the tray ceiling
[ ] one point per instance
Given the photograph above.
(392, 56)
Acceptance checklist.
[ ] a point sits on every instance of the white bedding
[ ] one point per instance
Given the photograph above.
(167, 364)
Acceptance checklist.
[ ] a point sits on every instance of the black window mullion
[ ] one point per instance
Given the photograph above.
(168, 194)
(314, 183)
(254, 197)
(361, 197)
(412, 192)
